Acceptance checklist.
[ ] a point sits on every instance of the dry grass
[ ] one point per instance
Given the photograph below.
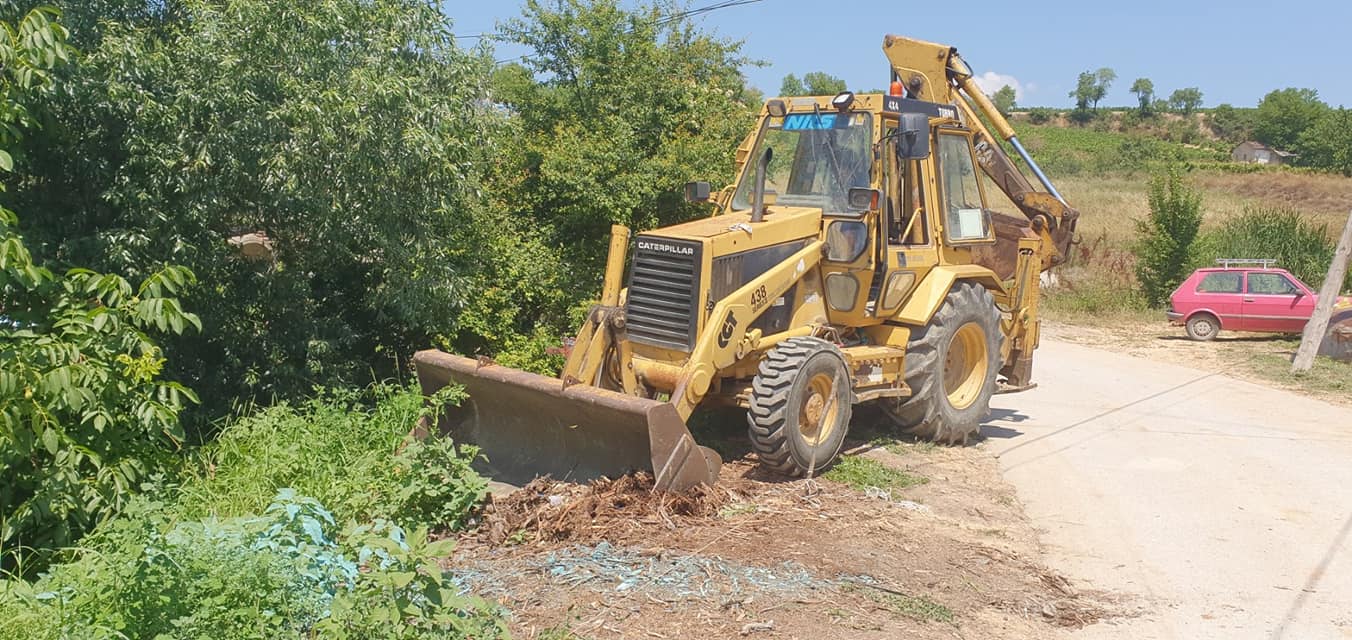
(1110, 204)
(1326, 197)
(1100, 279)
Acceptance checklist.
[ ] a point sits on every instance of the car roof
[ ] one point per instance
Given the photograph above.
(1237, 269)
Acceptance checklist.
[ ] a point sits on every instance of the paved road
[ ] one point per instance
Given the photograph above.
(1224, 505)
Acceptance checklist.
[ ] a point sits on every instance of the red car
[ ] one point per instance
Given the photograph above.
(1235, 297)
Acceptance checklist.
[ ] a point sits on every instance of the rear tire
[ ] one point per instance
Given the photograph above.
(800, 407)
(1203, 327)
(951, 367)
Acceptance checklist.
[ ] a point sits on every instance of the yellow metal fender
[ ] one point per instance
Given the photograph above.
(929, 295)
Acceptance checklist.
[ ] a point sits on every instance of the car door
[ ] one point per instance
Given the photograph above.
(1272, 302)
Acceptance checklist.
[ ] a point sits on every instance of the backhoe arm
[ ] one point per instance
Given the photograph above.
(936, 73)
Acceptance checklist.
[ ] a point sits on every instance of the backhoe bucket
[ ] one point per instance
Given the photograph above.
(529, 425)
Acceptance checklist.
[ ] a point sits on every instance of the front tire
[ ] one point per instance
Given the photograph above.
(951, 367)
(800, 407)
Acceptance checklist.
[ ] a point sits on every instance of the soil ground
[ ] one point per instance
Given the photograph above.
(1264, 358)
(762, 556)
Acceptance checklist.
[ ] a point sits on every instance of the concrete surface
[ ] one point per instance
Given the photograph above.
(1224, 506)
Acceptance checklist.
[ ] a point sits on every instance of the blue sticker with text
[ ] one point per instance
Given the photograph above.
(809, 121)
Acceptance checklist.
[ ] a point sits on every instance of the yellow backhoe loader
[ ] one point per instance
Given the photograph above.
(855, 259)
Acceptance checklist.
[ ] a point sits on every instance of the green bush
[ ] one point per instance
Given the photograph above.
(288, 572)
(1074, 150)
(1041, 115)
(85, 414)
(1164, 253)
(1298, 244)
(244, 546)
(349, 454)
(363, 162)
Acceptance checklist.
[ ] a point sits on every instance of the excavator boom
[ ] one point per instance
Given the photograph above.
(935, 72)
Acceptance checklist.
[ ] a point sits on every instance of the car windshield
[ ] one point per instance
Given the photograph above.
(818, 158)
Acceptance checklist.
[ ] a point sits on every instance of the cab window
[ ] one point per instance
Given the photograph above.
(1219, 282)
(964, 215)
(1271, 284)
(818, 158)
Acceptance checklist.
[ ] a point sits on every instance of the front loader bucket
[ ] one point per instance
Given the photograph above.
(529, 425)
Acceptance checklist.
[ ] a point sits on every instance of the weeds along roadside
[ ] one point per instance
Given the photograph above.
(313, 518)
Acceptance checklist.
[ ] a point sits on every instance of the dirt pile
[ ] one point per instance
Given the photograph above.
(550, 511)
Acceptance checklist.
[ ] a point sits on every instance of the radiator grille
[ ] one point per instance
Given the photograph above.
(663, 293)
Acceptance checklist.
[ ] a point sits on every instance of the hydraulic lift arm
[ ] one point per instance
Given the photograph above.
(936, 73)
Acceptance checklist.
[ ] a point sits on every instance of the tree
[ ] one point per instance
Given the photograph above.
(85, 414)
(1186, 100)
(1164, 252)
(1145, 94)
(823, 84)
(1103, 80)
(1091, 87)
(1086, 91)
(352, 134)
(1004, 99)
(611, 137)
(816, 83)
(1283, 115)
(1327, 144)
(1231, 124)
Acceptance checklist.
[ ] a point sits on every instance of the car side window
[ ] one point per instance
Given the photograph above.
(1219, 282)
(1274, 284)
(1271, 284)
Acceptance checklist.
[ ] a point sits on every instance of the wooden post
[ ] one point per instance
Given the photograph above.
(1328, 294)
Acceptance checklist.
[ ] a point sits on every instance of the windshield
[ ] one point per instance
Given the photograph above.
(817, 159)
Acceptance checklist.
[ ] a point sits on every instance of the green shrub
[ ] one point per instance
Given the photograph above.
(1164, 254)
(285, 573)
(1298, 244)
(346, 453)
(1041, 115)
(85, 414)
(1072, 150)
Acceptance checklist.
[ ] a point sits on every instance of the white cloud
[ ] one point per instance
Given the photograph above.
(990, 82)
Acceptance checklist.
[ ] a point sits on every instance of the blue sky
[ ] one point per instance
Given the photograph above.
(1234, 51)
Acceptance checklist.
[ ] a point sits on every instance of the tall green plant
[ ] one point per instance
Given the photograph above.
(1165, 250)
(1298, 244)
(85, 413)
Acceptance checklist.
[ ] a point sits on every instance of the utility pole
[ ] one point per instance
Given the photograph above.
(1328, 294)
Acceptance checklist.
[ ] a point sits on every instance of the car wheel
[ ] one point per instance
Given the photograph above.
(1203, 327)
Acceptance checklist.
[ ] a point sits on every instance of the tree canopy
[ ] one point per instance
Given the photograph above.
(1004, 99)
(1145, 93)
(1284, 114)
(351, 135)
(1186, 100)
(816, 83)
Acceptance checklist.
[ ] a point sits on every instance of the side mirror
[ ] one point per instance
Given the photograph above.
(913, 137)
(863, 198)
(697, 192)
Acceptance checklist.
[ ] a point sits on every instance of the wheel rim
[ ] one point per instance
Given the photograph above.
(817, 416)
(1202, 327)
(966, 365)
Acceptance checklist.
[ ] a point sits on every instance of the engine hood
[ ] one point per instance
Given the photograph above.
(733, 232)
